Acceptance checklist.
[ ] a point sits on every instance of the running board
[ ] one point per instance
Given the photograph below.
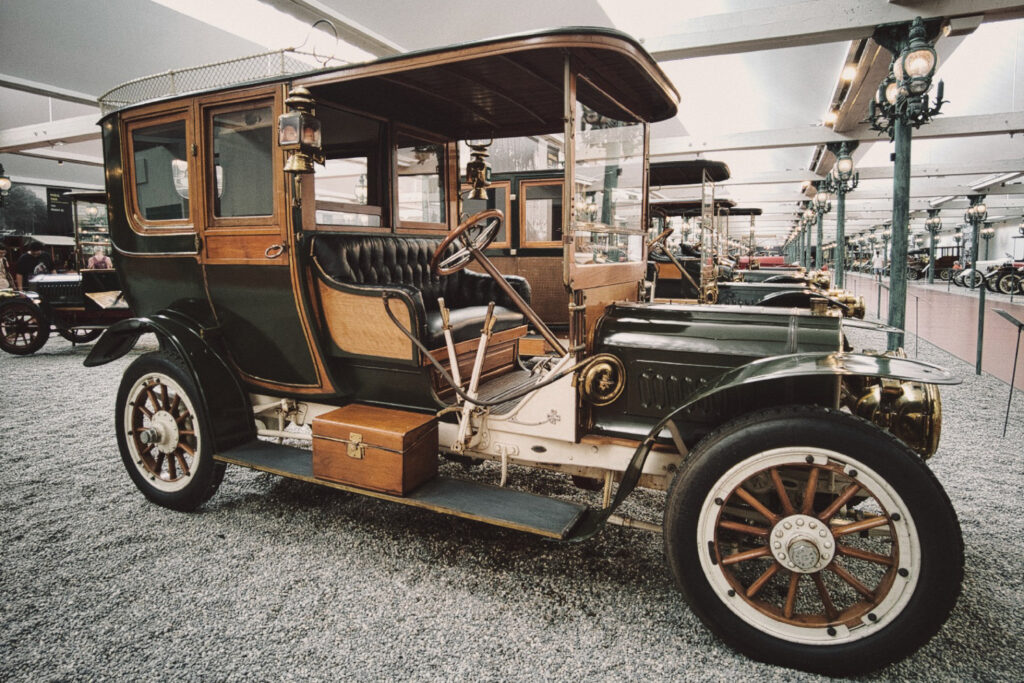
(549, 517)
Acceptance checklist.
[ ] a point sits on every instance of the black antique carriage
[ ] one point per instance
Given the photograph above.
(331, 304)
(78, 304)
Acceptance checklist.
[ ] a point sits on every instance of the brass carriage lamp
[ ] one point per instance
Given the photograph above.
(299, 132)
(478, 171)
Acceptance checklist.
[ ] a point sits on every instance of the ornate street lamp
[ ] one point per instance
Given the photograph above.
(808, 221)
(822, 205)
(933, 224)
(987, 233)
(841, 181)
(901, 105)
(975, 215)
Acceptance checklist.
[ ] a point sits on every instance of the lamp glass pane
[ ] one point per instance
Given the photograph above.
(920, 63)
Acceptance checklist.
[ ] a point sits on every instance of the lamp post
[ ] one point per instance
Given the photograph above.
(822, 205)
(808, 221)
(987, 233)
(842, 180)
(933, 224)
(975, 215)
(902, 103)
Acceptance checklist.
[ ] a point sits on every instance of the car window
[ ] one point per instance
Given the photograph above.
(420, 181)
(161, 171)
(242, 156)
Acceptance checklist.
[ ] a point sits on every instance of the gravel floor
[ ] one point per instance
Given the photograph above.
(276, 579)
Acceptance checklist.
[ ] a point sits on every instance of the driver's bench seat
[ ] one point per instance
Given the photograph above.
(369, 265)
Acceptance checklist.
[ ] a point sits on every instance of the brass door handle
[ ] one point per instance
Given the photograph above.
(275, 250)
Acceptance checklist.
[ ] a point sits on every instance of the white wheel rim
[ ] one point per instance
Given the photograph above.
(860, 618)
(162, 432)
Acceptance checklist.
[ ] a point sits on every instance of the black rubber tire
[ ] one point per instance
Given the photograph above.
(898, 633)
(79, 336)
(24, 328)
(945, 274)
(913, 274)
(205, 474)
(992, 284)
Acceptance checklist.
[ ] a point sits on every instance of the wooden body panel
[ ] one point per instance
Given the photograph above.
(380, 449)
(359, 324)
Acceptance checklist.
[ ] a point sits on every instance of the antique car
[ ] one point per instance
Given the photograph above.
(332, 306)
(77, 305)
(1004, 277)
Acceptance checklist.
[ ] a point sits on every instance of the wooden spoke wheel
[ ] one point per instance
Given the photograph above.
(23, 328)
(162, 435)
(78, 335)
(1009, 283)
(809, 538)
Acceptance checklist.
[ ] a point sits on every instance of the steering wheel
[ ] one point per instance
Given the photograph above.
(478, 241)
(659, 239)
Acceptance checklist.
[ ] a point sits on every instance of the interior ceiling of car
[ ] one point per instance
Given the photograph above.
(764, 84)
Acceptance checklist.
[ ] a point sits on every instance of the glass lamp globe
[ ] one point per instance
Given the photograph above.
(844, 167)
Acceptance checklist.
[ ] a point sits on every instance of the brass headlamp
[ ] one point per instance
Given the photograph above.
(298, 132)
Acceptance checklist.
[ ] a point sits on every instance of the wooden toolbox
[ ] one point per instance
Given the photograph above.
(381, 449)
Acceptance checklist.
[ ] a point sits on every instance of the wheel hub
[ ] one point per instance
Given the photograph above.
(802, 544)
(165, 431)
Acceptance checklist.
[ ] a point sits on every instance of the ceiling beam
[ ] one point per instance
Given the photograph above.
(46, 90)
(75, 129)
(883, 172)
(57, 154)
(809, 23)
(49, 182)
(809, 136)
(353, 33)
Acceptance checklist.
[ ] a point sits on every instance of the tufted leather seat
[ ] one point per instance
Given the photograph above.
(382, 263)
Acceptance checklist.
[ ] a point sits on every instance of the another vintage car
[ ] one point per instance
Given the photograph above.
(77, 305)
(333, 305)
(677, 273)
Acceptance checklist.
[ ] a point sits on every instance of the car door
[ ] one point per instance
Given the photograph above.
(248, 251)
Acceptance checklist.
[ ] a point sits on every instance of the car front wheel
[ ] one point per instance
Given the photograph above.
(808, 538)
(163, 437)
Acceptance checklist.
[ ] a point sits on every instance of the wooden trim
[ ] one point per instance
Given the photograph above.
(153, 116)
(501, 356)
(602, 274)
(345, 207)
(524, 186)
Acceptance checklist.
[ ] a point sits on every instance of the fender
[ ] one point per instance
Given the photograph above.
(222, 398)
(835, 364)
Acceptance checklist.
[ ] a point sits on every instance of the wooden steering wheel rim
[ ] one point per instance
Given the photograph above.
(435, 260)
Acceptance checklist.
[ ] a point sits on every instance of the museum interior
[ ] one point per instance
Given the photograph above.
(594, 338)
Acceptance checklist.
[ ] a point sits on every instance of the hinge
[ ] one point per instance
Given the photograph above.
(194, 149)
(199, 243)
(356, 447)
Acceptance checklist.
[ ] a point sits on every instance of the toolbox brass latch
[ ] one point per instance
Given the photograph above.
(356, 447)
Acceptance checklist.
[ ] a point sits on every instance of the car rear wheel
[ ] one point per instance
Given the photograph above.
(23, 328)
(809, 538)
(78, 335)
(163, 435)
(1009, 283)
(945, 274)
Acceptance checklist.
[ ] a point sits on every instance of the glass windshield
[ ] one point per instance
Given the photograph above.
(93, 234)
(609, 191)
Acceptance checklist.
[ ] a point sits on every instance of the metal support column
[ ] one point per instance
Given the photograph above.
(819, 255)
(900, 226)
(840, 275)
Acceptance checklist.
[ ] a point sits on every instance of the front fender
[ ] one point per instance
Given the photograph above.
(836, 364)
(222, 396)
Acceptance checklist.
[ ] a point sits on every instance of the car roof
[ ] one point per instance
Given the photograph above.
(502, 87)
(688, 172)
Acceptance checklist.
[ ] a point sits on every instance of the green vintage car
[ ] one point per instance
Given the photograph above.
(299, 246)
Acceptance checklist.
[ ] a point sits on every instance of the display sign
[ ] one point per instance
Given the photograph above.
(58, 212)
